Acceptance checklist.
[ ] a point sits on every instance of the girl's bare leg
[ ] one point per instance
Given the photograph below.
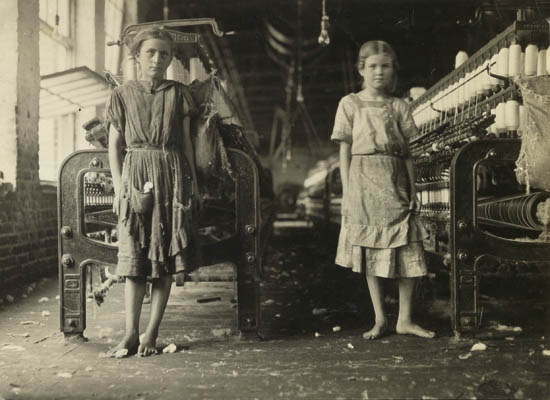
(404, 321)
(377, 297)
(134, 290)
(159, 298)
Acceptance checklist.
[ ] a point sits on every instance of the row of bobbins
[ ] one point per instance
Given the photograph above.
(508, 117)
(513, 62)
(508, 62)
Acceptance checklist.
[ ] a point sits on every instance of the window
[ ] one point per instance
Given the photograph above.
(55, 36)
(114, 11)
(56, 54)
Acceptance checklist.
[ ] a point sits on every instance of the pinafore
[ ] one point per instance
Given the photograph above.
(379, 234)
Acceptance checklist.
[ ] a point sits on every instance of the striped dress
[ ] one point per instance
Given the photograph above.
(157, 232)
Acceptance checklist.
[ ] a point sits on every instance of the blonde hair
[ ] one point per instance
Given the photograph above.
(374, 47)
(150, 33)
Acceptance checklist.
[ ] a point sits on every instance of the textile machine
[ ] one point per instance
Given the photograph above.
(476, 202)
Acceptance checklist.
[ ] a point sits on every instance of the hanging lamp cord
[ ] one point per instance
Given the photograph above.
(324, 38)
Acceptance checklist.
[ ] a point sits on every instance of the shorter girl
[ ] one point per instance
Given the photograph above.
(380, 232)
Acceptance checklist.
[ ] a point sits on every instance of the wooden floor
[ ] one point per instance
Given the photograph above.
(314, 315)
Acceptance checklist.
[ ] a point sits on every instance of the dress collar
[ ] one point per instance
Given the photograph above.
(165, 84)
(386, 102)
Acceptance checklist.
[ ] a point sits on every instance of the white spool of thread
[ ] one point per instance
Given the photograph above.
(541, 62)
(460, 58)
(418, 118)
(548, 61)
(483, 78)
(502, 62)
(130, 72)
(448, 99)
(480, 80)
(422, 118)
(514, 60)
(500, 118)
(531, 55)
(437, 106)
(476, 85)
(469, 87)
(453, 96)
(460, 90)
(511, 115)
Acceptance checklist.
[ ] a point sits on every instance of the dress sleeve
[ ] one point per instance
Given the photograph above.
(343, 123)
(406, 122)
(188, 102)
(114, 112)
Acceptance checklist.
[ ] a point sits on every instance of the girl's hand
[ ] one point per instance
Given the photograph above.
(414, 204)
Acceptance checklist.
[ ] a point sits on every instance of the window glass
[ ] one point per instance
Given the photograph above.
(113, 29)
(55, 134)
(53, 56)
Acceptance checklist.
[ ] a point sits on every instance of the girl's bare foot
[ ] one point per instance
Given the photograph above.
(129, 342)
(377, 330)
(410, 328)
(147, 344)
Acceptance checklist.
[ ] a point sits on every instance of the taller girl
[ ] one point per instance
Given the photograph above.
(380, 235)
(156, 194)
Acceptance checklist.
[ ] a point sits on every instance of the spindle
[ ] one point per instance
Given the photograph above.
(502, 62)
(514, 60)
(511, 115)
(494, 69)
(460, 58)
(500, 120)
(531, 55)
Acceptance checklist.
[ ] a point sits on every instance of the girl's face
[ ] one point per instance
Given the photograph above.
(378, 72)
(154, 58)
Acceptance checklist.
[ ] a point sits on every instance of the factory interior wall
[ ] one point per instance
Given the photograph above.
(28, 208)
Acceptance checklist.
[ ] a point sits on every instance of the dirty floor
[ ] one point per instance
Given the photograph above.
(311, 346)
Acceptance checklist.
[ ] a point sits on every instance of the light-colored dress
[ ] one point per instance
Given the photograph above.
(156, 231)
(379, 234)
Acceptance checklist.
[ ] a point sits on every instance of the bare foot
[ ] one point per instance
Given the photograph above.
(147, 344)
(377, 330)
(410, 328)
(129, 342)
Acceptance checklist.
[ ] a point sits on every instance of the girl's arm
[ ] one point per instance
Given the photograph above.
(115, 161)
(413, 202)
(345, 160)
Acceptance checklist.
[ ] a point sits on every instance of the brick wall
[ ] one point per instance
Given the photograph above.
(28, 237)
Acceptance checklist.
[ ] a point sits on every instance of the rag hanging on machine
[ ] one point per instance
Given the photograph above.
(533, 163)
(211, 158)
